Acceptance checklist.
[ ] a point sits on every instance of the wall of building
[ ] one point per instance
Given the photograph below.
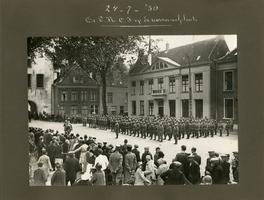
(119, 99)
(178, 96)
(41, 96)
(221, 94)
(68, 85)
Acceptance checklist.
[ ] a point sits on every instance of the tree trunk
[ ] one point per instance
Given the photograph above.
(103, 77)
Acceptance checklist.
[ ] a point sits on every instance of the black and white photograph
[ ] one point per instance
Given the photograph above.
(133, 110)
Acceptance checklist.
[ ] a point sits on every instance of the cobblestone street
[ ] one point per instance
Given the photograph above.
(218, 144)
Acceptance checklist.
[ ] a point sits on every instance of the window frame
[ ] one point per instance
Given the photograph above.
(141, 86)
(150, 86)
(233, 108)
(224, 80)
(37, 81)
(186, 85)
(141, 106)
(29, 80)
(133, 87)
(200, 82)
(151, 108)
(92, 95)
(172, 85)
(66, 93)
(74, 95)
(160, 85)
(110, 95)
(134, 107)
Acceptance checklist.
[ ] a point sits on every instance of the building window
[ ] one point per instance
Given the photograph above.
(109, 97)
(77, 79)
(83, 95)
(185, 83)
(229, 108)
(29, 80)
(40, 80)
(150, 85)
(159, 65)
(74, 96)
(93, 95)
(141, 87)
(121, 110)
(64, 96)
(199, 82)
(133, 88)
(134, 108)
(84, 109)
(113, 110)
(94, 109)
(172, 84)
(141, 107)
(73, 110)
(228, 81)
(62, 109)
(160, 83)
(151, 108)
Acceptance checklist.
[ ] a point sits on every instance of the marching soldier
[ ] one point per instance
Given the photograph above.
(117, 129)
(169, 131)
(227, 127)
(212, 127)
(175, 132)
(220, 127)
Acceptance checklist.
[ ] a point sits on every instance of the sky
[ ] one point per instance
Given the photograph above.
(180, 40)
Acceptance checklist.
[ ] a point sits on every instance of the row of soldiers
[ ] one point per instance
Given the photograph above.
(160, 128)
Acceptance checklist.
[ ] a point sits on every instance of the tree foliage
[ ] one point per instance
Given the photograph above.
(103, 56)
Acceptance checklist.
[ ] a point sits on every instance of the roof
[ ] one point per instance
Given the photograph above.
(199, 52)
(57, 81)
(230, 56)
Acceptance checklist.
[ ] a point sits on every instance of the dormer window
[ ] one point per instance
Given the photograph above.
(159, 65)
(77, 79)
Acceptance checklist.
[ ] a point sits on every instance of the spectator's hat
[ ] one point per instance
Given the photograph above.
(214, 160)
(57, 165)
(104, 142)
(94, 138)
(223, 155)
(136, 146)
(148, 157)
(211, 152)
(129, 146)
(177, 163)
(235, 152)
(41, 137)
(207, 180)
(139, 163)
(85, 176)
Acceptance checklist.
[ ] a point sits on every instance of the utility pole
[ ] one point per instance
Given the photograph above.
(190, 87)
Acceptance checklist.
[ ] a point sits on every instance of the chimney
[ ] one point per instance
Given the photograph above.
(149, 52)
(167, 47)
(149, 58)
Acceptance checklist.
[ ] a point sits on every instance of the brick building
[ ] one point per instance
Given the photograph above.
(76, 92)
(164, 85)
(227, 87)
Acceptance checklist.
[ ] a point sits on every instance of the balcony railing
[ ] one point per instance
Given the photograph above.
(159, 92)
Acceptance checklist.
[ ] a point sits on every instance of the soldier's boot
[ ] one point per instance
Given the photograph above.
(175, 138)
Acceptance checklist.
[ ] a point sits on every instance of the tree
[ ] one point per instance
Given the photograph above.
(99, 55)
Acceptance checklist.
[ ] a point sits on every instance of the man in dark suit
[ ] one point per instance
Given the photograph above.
(173, 176)
(226, 167)
(136, 152)
(71, 168)
(193, 170)
(51, 153)
(143, 159)
(197, 158)
(217, 172)
(116, 167)
(182, 158)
